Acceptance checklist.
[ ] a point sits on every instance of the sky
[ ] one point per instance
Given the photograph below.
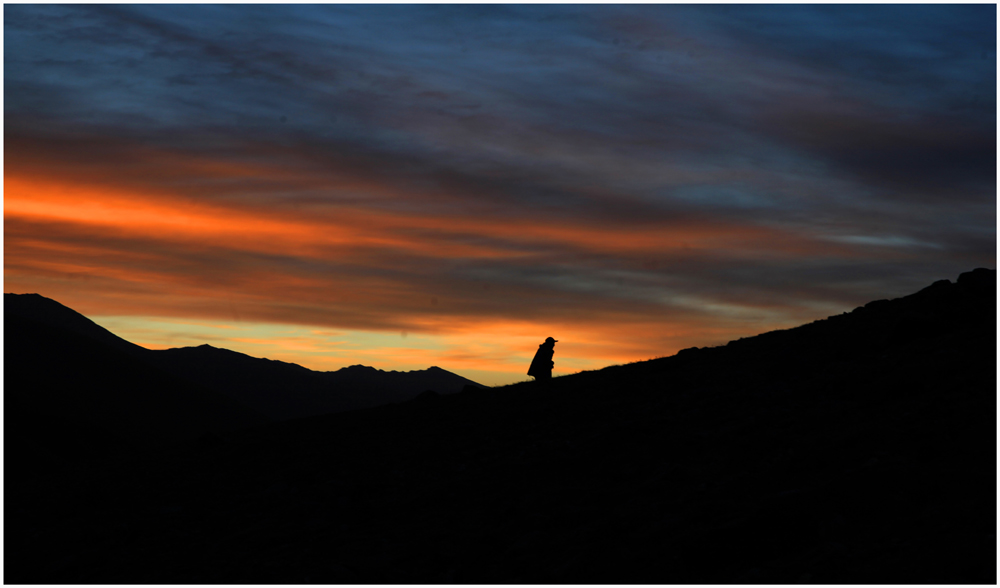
(404, 186)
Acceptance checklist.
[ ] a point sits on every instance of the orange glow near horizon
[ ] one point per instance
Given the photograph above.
(111, 250)
(492, 354)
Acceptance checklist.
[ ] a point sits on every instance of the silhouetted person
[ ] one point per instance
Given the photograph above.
(541, 366)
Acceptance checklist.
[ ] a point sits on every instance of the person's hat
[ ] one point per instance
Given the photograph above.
(551, 339)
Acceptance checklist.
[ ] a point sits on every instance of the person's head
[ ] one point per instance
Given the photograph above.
(550, 341)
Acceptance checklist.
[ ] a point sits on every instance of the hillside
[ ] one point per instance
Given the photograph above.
(67, 392)
(856, 449)
(284, 390)
(87, 372)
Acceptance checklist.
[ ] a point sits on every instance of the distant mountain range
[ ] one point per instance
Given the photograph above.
(61, 365)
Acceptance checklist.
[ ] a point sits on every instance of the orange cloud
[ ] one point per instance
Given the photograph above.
(116, 248)
(324, 229)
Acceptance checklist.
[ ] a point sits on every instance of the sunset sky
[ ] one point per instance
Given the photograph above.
(405, 186)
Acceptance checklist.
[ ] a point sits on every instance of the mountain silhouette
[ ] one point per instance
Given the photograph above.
(856, 449)
(287, 390)
(71, 386)
(38, 309)
(274, 390)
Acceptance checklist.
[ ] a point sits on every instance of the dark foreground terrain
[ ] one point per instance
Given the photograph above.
(75, 387)
(857, 449)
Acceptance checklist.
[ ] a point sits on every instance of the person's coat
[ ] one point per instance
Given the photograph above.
(542, 364)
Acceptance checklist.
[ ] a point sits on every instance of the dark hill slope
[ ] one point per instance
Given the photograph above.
(859, 449)
(41, 310)
(287, 390)
(66, 393)
(277, 389)
(936, 323)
